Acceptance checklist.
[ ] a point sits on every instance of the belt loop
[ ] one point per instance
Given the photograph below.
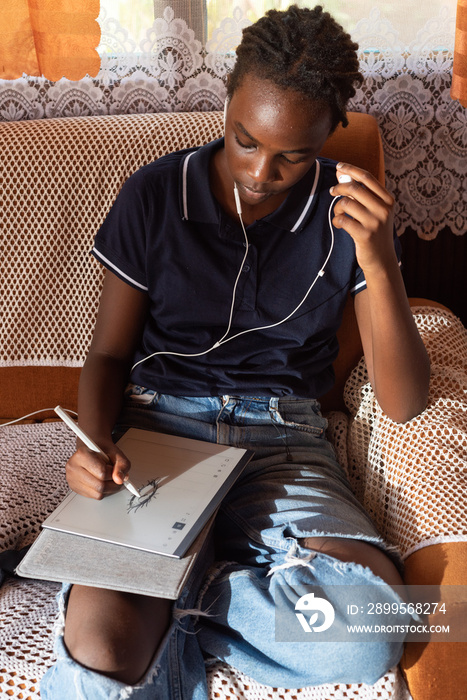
(224, 400)
(274, 403)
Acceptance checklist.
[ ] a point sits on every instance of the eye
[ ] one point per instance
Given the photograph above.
(247, 146)
(293, 162)
(282, 156)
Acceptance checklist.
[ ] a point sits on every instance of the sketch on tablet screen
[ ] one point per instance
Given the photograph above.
(147, 494)
(181, 482)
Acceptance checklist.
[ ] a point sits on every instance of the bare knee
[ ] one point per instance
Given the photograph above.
(114, 633)
(359, 552)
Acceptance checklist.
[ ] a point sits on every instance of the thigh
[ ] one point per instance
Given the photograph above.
(293, 489)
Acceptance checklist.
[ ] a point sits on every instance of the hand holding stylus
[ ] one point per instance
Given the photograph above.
(92, 445)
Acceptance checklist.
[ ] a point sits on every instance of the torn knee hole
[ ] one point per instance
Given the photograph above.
(293, 559)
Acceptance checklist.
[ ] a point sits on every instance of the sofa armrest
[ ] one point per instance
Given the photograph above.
(434, 671)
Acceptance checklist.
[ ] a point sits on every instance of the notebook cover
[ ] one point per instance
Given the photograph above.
(59, 556)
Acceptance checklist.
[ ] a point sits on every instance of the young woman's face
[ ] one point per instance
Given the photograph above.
(272, 137)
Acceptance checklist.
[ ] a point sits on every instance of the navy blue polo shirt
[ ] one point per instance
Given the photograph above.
(167, 236)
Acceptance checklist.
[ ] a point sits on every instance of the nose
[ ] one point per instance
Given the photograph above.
(262, 169)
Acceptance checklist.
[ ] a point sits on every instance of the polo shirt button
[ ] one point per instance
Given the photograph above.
(246, 268)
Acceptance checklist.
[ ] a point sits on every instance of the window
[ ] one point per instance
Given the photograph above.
(407, 17)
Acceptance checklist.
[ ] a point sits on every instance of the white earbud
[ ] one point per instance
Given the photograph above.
(238, 203)
(344, 178)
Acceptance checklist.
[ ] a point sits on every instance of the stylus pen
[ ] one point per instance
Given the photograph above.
(91, 444)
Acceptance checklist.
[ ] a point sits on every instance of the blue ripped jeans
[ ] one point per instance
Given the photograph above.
(292, 489)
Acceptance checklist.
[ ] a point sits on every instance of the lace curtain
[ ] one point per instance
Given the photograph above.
(459, 69)
(160, 56)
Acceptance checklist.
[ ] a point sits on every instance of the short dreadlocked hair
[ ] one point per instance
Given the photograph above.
(304, 50)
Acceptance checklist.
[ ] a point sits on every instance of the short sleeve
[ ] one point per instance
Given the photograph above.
(120, 244)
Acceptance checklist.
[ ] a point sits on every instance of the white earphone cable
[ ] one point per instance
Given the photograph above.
(34, 413)
(224, 339)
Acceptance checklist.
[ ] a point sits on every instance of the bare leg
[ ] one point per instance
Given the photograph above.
(359, 552)
(115, 633)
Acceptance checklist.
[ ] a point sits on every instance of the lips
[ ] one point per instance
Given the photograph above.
(253, 194)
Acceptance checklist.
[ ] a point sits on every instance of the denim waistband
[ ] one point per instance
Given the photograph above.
(140, 394)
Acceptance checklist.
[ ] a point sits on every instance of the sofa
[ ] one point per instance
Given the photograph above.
(58, 179)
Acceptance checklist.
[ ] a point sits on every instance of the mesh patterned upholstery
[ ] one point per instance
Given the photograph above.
(49, 282)
(33, 479)
(414, 484)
